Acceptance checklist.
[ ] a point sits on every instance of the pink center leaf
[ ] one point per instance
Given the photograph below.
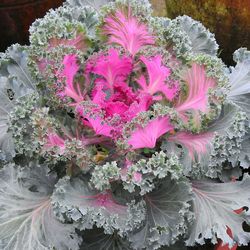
(127, 31)
(198, 85)
(69, 72)
(95, 121)
(157, 76)
(113, 68)
(146, 137)
(194, 143)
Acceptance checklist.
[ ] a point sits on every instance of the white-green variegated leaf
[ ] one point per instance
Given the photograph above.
(214, 205)
(95, 239)
(220, 143)
(15, 84)
(27, 221)
(201, 40)
(225, 120)
(244, 157)
(231, 129)
(96, 4)
(74, 200)
(240, 80)
(167, 215)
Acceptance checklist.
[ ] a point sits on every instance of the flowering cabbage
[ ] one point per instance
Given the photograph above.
(121, 130)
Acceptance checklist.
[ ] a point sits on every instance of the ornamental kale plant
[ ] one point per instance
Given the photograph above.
(120, 130)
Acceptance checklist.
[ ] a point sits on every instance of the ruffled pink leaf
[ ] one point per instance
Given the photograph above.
(98, 94)
(124, 93)
(143, 104)
(146, 137)
(100, 126)
(112, 67)
(127, 31)
(113, 108)
(198, 86)
(70, 69)
(157, 76)
(69, 72)
(95, 122)
(196, 144)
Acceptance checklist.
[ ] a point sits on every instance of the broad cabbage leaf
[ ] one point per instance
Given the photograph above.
(167, 215)
(27, 221)
(74, 200)
(213, 206)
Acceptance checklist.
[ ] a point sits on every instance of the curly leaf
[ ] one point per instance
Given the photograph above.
(15, 83)
(96, 4)
(143, 174)
(210, 149)
(26, 217)
(202, 41)
(214, 205)
(74, 200)
(167, 211)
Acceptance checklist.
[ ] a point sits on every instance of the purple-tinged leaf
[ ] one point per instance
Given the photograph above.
(198, 86)
(74, 200)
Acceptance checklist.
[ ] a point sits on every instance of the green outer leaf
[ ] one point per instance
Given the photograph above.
(229, 130)
(167, 215)
(27, 221)
(214, 205)
(74, 200)
(96, 4)
(15, 83)
(202, 41)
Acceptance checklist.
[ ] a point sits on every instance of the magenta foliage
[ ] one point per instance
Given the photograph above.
(70, 69)
(146, 137)
(127, 31)
(157, 78)
(113, 68)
